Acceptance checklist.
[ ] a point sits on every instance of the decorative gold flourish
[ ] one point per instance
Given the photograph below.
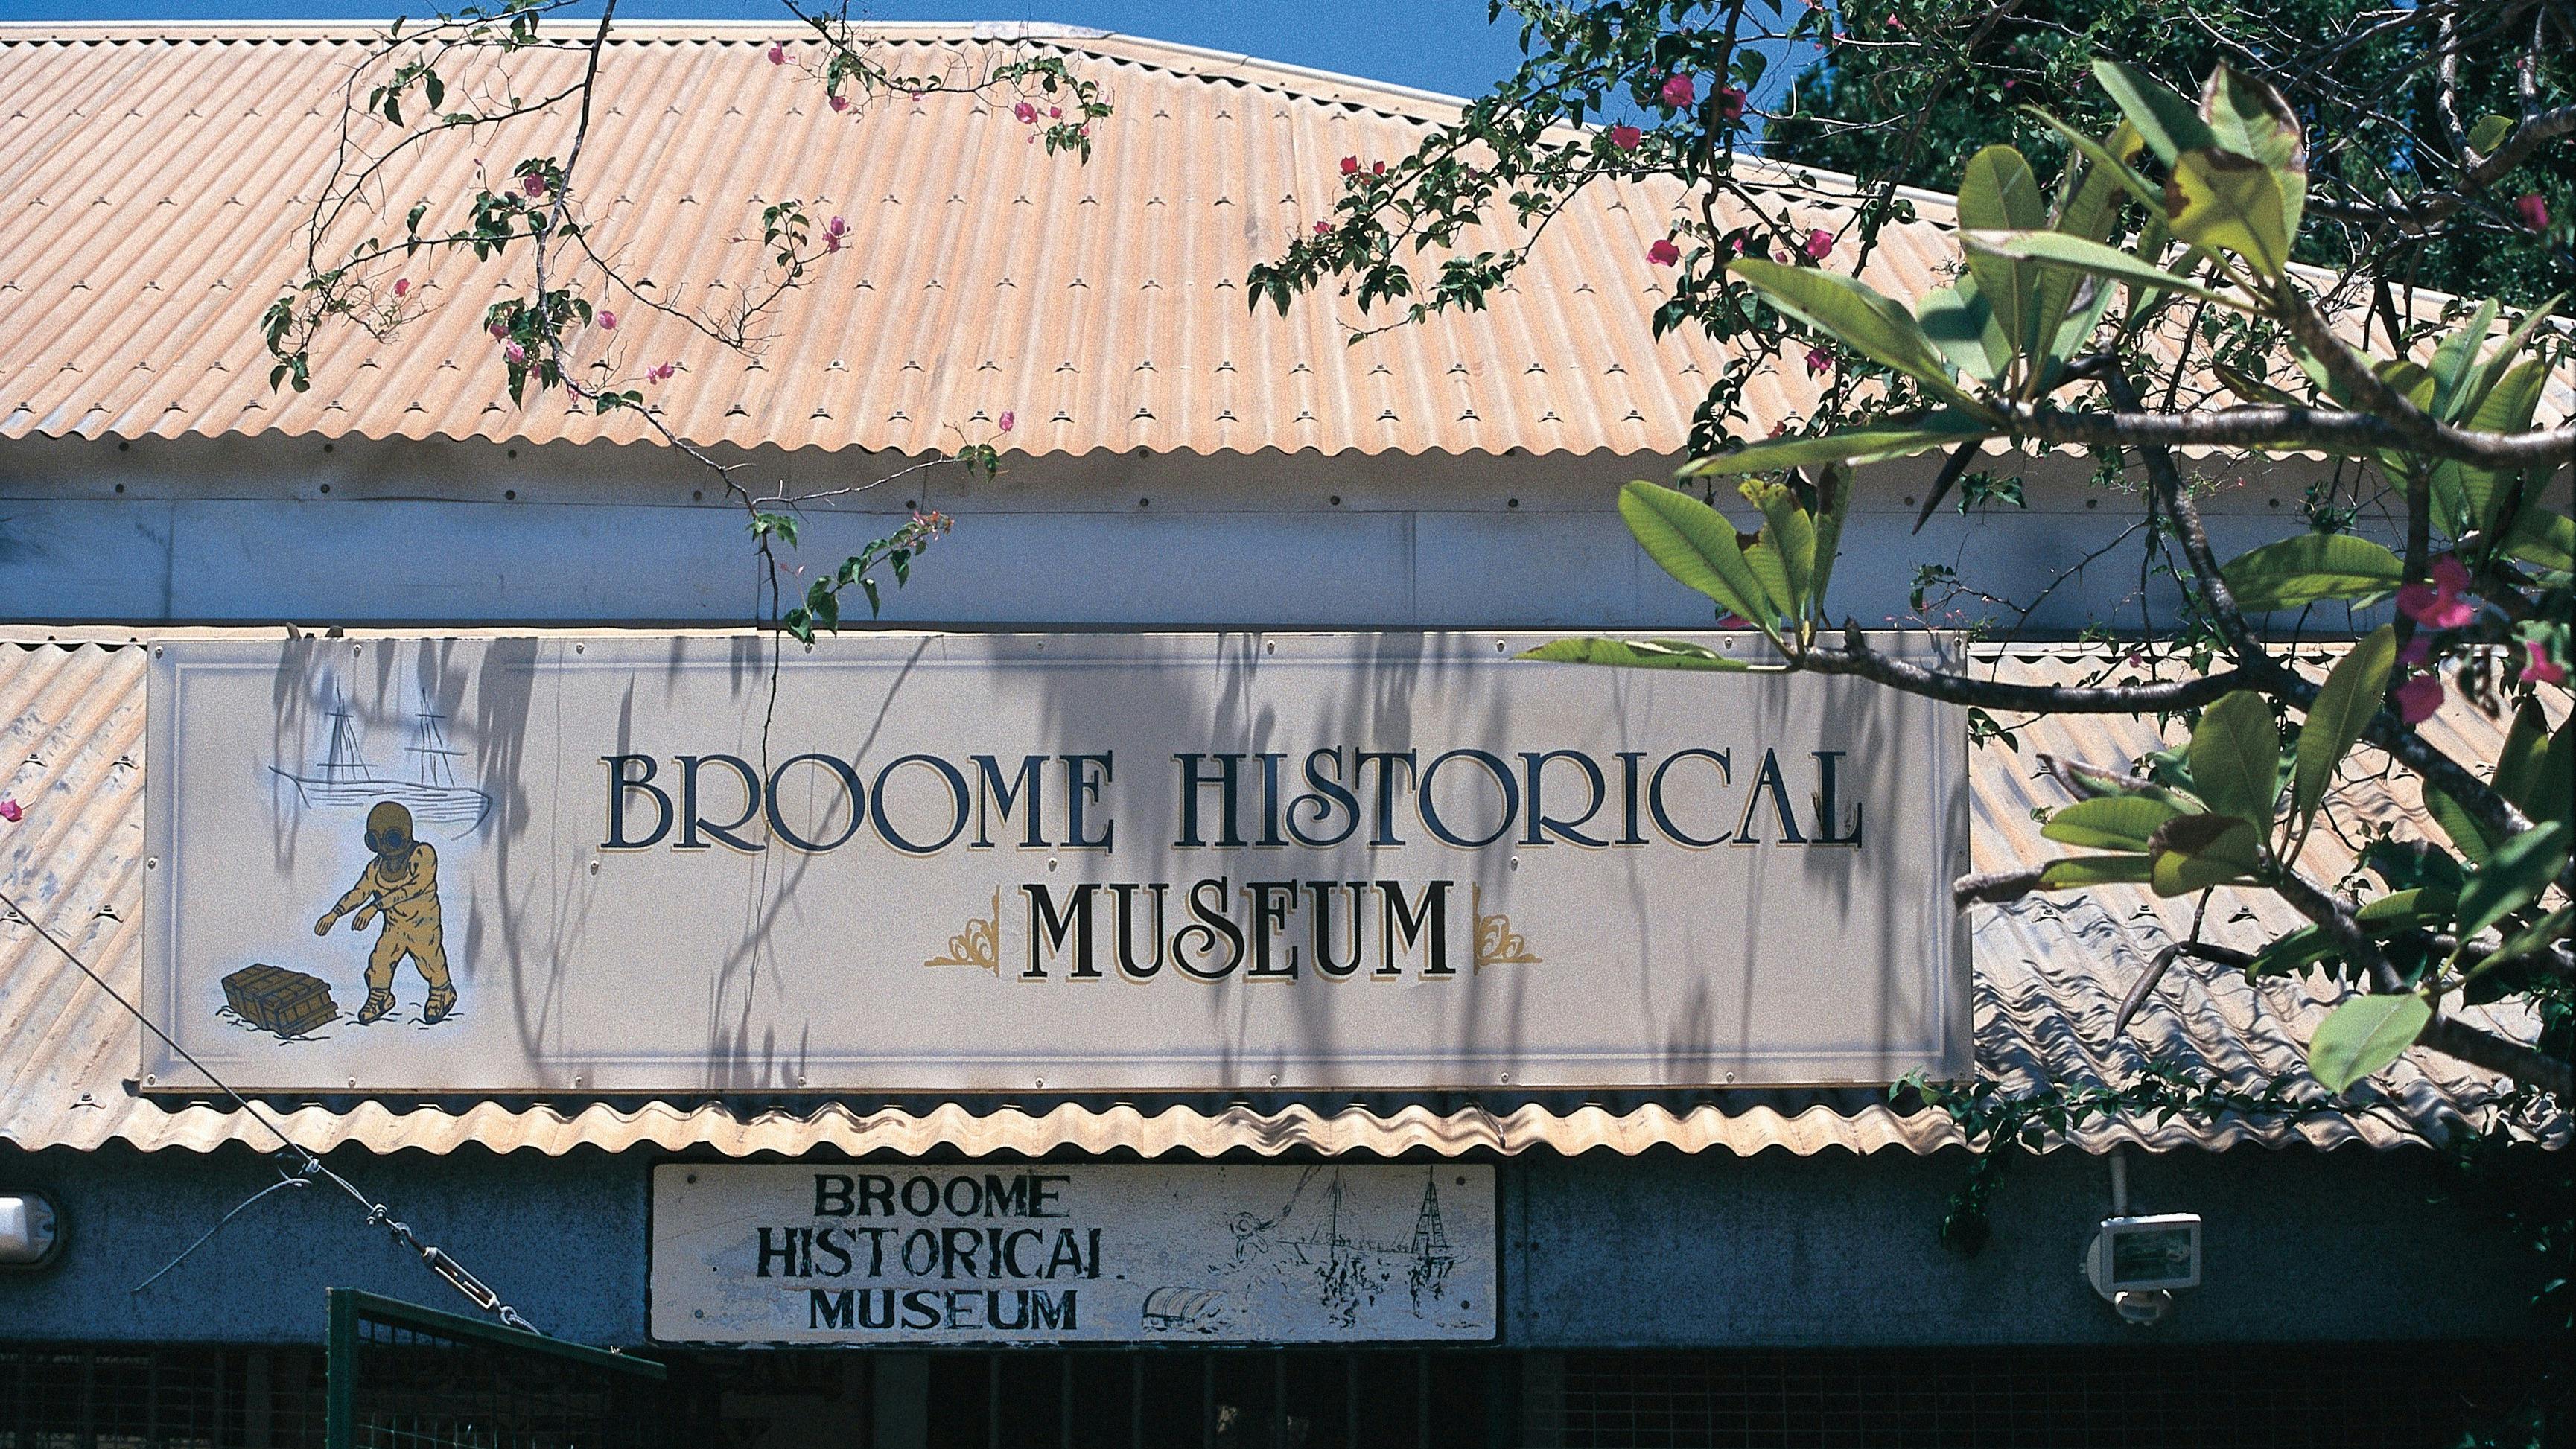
(980, 944)
(1496, 944)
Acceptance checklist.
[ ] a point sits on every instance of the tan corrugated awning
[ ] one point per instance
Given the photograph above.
(2049, 976)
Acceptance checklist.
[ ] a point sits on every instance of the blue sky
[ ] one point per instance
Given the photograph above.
(1438, 45)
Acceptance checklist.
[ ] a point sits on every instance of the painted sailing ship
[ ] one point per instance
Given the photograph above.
(345, 778)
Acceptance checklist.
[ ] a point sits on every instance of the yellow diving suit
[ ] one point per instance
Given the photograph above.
(401, 884)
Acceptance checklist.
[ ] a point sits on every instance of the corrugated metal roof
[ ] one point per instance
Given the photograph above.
(2049, 976)
(158, 180)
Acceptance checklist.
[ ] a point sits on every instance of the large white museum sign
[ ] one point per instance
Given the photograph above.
(936, 863)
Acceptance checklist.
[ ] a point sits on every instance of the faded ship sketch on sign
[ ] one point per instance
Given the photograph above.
(345, 779)
(1321, 1244)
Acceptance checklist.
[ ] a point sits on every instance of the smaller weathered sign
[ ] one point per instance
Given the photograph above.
(1072, 1253)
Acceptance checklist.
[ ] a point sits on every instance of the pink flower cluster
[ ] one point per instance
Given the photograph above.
(11, 811)
(2438, 605)
(1627, 138)
(835, 232)
(661, 373)
(1007, 420)
(1663, 253)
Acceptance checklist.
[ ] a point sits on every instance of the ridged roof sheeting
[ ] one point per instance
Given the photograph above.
(2049, 976)
(157, 188)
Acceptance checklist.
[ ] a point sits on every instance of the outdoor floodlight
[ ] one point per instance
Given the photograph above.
(29, 1229)
(2135, 1263)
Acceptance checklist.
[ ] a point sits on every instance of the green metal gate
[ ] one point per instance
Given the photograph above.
(407, 1377)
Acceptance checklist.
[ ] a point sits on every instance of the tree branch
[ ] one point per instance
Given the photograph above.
(2351, 434)
(1858, 660)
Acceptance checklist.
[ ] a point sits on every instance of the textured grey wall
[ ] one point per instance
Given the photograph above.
(1599, 1251)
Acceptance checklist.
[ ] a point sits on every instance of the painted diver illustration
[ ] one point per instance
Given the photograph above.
(401, 884)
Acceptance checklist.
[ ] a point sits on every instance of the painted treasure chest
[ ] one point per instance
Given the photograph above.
(273, 998)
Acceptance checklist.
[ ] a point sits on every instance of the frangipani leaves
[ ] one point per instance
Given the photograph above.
(2195, 852)
(2342, 710)
(2364, 1035)
(1696, 544)
(1863, 318)
(1636, 654)
(2110, 822)
(1855, 445)
(2310, 568)
(2236, 758)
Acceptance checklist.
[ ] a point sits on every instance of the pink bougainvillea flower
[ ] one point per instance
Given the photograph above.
(1055, 113)
(11, 812)
(778, 55)
(1679, 91)
(1663, 253)
(1323, 228)
(1820, 243)
(1627, 138)
(1006, 420)
(1818, 360)
(1377, 168)
(498, 331)
(839, 103)
(2438, 605)
(662, 373)
(833, 232)
(607, 320)
(2417, 698)
(1350, 165)
(2417, 653)
(1026, 114)
(514, 352)
(2539, 668)
(402, 286)
(1730, 103)
(2532, 210)
(534, 183)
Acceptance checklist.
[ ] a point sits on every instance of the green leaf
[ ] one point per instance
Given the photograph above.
(2363, 1035)
(2091, 258)
(1833, 500)
(2406, 910)
(1962, 325)
(2110, 161)
(1998, 194)
(2342, 710)
(1773, 573)
(1857, 445)
(2452, 360)
(2195, 852)
(1695, 544)
(2220, 199)
(2513, 877)
(2166, 119)
(2236, 758)
(2467, 835)
(2296, 572)
(2525, 756)
(2250, 119)
(1871, 323)
(2091, 870)
(2110, 822)
(2489, 133)
(2295, 951)
(1789, 530)
(1635, 654)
